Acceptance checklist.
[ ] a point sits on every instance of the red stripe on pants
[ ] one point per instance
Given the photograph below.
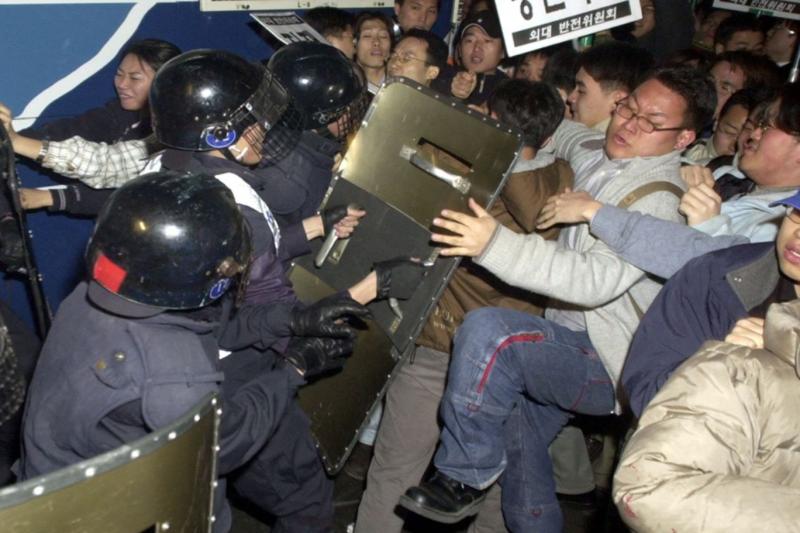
(524, 337)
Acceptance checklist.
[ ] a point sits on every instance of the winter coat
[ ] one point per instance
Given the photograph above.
(718, 448)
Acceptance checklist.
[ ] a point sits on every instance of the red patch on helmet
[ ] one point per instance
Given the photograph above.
(108, 274)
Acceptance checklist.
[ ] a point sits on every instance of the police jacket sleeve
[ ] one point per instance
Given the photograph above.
(251, 413)
(259, 325)
(293, 242)
(267, 280)
(79, 200)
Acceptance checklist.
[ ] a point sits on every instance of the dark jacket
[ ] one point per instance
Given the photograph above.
(701, 302)
(484, 87)
(268, 282)
(109, 123)
(295, 185)
(104, 380)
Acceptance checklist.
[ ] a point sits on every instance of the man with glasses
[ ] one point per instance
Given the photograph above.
(419, 55)
(766, 161)
(707, 297)
(516, 379)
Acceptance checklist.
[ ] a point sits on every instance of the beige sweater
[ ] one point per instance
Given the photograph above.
(590, 275)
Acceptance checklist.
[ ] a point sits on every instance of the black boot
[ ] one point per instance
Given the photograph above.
(443, 499)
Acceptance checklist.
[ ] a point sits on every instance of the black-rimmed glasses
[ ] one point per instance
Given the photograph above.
(625, 111)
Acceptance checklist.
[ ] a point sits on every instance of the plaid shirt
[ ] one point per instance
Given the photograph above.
(98, 165)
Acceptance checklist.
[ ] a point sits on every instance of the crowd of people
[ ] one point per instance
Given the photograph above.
(640, 264)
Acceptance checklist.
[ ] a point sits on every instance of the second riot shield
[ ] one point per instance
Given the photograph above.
(417, 152)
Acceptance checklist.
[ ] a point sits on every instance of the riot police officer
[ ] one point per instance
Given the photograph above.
(135, 346)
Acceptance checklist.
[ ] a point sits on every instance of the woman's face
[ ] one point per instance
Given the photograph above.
(132, 81)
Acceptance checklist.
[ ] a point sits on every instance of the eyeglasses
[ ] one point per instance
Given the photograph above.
(769, 123)
(765, 124)
(404, 59)
(793, 214)
(625, 111)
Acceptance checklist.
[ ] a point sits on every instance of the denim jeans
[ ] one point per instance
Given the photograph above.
(514, 381)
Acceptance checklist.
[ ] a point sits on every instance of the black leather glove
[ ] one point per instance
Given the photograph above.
(325, 318)
(312, 356)
(11, 254)
(331, 216)
(398, 277)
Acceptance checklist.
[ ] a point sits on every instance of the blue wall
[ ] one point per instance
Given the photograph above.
(51, 41)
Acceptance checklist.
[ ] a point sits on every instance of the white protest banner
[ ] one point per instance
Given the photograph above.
(266, 5)
(288, 27)
(788, 9)
(533, 24)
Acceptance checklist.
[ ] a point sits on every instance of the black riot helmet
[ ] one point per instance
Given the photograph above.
(167, 240)
(326, 87)
(206, 99)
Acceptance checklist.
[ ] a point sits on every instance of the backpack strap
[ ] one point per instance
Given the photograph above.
(647, 189)
(636, 195)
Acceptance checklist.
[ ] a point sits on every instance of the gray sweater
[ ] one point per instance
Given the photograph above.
(579, 269)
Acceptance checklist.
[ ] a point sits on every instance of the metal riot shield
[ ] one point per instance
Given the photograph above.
(416, 153)
(162, 482)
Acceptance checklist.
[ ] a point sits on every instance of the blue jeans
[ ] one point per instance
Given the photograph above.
(514, 381)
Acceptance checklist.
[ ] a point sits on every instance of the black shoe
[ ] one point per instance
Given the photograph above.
(443, 499)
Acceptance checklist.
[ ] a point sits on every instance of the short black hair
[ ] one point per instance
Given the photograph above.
(561, 68)
(329, 20)
(697, 90)
(702, 59)
(532, 106)
(547, 52)
(366, 16)
(154, 52)
(438, 3)
(616, 65)
(789, 112)
(749, 98)
(736, 23)
(436, 52)
(758, 70)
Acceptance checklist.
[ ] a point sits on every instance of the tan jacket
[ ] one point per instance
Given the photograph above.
(471, 287)
(718, 448)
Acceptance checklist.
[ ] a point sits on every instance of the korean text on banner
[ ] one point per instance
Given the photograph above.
(288, 27)
(789, 9)
(533, 24)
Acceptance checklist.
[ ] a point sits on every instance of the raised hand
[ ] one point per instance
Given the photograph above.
(569, 207)
(472, 233)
